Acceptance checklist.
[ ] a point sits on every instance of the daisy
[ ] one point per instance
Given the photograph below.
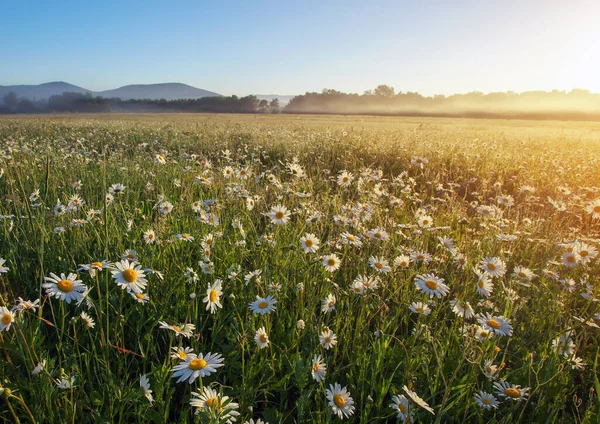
(261, 338)
(379, 264)
(498, 324)
(263, 305)
(66, 383)
(484, 284)
(494, 267)
(219, 408)
(585, 252)
(489, 369)
(462, 308)
(419, 161)
(348, 238)
(400, 405)
(116, 188)
(431, 285)
(149, 237)
(88, 320)
(165, 207)
(345, 179)
(368, 282)
(340, 401)
(594, 209)
(379, 234)
(508, 391)
(523, 273)
(310, 243)
(26, 305)
(140, 297)
(318, 369)
(402, 261)
(300, 324)
(145, 385)
(213, 296)
(420, 308)
(331, 262)
(185, 237)
(416, 399)
(94, 267)
(425, 221)
(6, 318)
(129, 276)
(65, 288)
(130, 255)
(186, 331)
(197, 366)
(486, 400)
(570, 259)
(327, 338)
(181, 353)
(39, 367)
(279, 215)
(328, 304)
(3, 269)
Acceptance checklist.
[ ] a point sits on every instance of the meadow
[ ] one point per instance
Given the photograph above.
(298, 269)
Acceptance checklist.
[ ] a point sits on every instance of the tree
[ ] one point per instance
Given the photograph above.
(10, 99)
(384, 91)
(274, 105)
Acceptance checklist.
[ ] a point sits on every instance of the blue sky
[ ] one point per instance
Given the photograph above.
(286, 47)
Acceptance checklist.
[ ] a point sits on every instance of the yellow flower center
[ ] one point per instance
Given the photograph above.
(570, 259)
(279, 215)
(213, 295)
(263, 305)
(339, 401)
(185, 236)
(485, 401)
(176, 328)
(377, 235)
(182, 354)
(197, 364)
(597, 209)
(139, 295)
(351, 237)
(331, 262)
(6, 319)
(431, 285)
(402, 408)
(512, 392)
(480, 284)
(97, 264)
(65, 286)
(494, 324)
(420, 310)
(327, 339)
(315, 367)
(378, 265)
(212, 402)
(583, 253)
(263, 338)
(522, 274)
(130, 275)
(491, 267)
(308, 243)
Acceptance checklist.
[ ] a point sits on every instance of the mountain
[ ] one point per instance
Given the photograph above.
(41, 91)
(168, 91)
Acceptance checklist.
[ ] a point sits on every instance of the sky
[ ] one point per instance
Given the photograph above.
(293, 47)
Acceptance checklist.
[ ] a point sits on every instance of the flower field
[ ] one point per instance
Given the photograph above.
(283, 269)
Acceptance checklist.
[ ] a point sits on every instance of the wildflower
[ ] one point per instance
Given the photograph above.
(508, 391)
(431, 285)
(145, 385)
(494, 267)
(263, 305)
(486, 400)
(197, 366)
(186, 331)
(65, 288)
(328, 339)
(340, 401)
(261, 338)
(300, 324)
(213, 296)
(416, 399)
(6, 318)
(379, 264)
(149, 237)
(331, 262)
(130, 276)
(310, 243)
(400, 405)
(318, 369)
(219, 408)
(420, 308)
(88, 320)
(39, 367)
(498, 324)
(279, 215)
(66, 383)
(328, 304)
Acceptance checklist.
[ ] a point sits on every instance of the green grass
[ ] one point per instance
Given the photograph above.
(381, 345)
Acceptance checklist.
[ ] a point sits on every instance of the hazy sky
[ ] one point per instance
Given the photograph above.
(290, 47)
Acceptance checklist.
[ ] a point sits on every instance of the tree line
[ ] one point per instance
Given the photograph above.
(383, 100)
(86, 103)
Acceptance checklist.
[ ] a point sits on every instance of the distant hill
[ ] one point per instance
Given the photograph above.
(41, 91)
(168, 91)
